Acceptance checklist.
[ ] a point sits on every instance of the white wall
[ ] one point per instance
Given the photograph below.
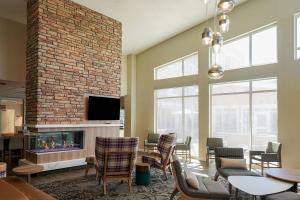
(246, 17)
(12, 50)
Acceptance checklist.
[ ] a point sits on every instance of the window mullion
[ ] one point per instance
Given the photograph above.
(183, 114)
(251, 115)
(250, 50)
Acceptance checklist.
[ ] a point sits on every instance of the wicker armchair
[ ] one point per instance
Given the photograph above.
(211, 144)
(184, 149)
(161, 159)
(272, 156)
(151, 142)
(115, 159)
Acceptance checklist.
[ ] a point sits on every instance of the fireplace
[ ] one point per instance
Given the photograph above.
(54, 146)
(55, 141)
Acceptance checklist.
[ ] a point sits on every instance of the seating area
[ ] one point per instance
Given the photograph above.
(149, 99)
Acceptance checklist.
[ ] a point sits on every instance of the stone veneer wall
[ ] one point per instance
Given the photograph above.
(72, 52)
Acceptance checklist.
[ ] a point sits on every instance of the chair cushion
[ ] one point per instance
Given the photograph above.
(191, 179)
(148, 144)
(284, 195)
(228, 163)
(216, 188)
(152, 161)
(236, 172)
(257, 157)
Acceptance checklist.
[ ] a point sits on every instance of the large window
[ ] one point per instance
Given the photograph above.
(176, 111)
(297, 36)
(252, 49)
(182, 67)
(244, 113)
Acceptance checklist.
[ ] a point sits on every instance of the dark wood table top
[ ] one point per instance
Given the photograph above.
(290, 175)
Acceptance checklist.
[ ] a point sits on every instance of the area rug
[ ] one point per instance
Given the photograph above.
(87, 188)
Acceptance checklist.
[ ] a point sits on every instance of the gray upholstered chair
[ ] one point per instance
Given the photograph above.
(283, 196)
(208, 189)
(272, 156)
(211, 144)
(184, 149)
(151, 142)
(1, 150)
(232, 153)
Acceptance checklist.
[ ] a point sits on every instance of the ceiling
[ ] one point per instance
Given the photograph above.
(145, 23)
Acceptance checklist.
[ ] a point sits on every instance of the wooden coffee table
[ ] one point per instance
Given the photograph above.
(258, 186)
(289, 175)
(28, 170)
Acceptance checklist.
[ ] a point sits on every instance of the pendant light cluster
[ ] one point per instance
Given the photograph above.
(214, 38)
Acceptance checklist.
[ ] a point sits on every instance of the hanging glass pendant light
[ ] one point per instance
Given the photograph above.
(215, 72)
(207, 35)
(224, 23)
(217, 42)
(226, 5)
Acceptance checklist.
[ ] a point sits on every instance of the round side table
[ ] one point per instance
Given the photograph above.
(142, 174)
(2, 169)
(28, 170)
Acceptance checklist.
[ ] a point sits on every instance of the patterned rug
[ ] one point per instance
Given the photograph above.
(87, 188)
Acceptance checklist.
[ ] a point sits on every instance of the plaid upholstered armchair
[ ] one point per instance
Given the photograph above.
(115, 159)
(161, 159)
(272, 156)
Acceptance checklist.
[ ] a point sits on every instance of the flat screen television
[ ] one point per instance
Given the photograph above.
(103, 108)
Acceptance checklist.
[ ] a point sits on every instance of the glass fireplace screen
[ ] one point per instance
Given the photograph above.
(56, 141)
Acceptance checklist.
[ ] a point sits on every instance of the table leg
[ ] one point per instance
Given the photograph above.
(28, 178)
(236, 193)
(295, 188)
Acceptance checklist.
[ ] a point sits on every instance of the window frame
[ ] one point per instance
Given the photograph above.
(250, 35)
(182, 66)
(250, 92)
(182, 98)
(296, 49)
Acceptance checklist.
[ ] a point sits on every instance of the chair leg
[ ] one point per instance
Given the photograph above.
(216, 176)
(165, 174)
(207, 160)
(104, 186)
(262, 168)
(97, 175)
(175, 191)
(230, 188)
(86, 170)
(170, 170)
(129, 184)
(190, 156)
